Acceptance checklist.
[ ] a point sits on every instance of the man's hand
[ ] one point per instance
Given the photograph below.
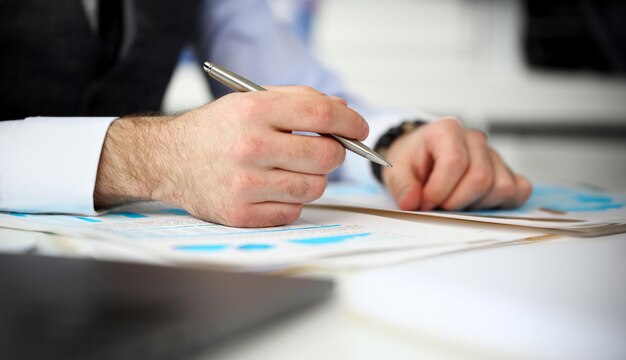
(233, 161)
(442, 165)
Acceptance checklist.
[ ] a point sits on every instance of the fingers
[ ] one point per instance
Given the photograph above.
(307, 154)
(523, 192)
(478, 178)
(323, 116)
(305, 90)
(299, 153)
(504, 186)
(278, 186)
(457, 168)
(403, 184)
(262, 215)
(448, 148)
(260, 198)
(294, 89)
(318, 114)
(338, 99)
(402, 180)
(271, 198)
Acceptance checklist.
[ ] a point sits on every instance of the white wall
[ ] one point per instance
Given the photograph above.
(454, 56)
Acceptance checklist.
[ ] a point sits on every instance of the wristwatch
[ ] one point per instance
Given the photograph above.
(384, 143)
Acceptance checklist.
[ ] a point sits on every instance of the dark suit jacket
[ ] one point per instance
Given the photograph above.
(53, 64)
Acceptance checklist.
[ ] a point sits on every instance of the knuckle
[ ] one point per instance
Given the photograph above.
(239, 216)
(450, 123)
(308, 190)
(243, 183)
(441, 130)
(250, 107)
(456, 160)
(505, 189)
(477, 135)
(247, 151)
(299, 189)
(481, 178)
(323, 113)
(287, 214)
(438, 134)
(304, 89)
(330, 156)
(318, 186)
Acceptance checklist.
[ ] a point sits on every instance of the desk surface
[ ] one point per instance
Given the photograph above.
(556, 299)
(563, 298)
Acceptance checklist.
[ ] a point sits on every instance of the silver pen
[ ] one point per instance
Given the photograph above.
(241, 84)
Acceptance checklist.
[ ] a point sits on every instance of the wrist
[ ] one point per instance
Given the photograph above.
(131, 161)
(385, 142)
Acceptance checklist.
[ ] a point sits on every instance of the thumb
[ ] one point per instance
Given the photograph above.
(404, 185)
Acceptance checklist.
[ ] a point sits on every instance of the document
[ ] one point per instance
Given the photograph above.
(170, 235)
(574, 210)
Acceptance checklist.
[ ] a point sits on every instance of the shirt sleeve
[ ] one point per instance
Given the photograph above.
(243, 36)
(49, 164)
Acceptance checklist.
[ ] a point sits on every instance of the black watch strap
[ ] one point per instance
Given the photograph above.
(385, 141)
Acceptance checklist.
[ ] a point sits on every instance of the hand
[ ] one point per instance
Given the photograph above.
(442, 165)
(233, 161)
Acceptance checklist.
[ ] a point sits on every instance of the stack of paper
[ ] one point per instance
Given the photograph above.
(561, 209)
(321, 237)
(351, 226)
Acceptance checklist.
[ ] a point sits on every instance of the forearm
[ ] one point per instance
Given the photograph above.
(133, 161)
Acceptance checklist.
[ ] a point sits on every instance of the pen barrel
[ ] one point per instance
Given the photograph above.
(359, 148)
(231, 79)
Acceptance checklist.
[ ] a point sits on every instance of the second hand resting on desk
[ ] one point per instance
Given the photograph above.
(238, 83)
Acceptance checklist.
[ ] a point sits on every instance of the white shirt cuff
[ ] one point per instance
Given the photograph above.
(49, 164)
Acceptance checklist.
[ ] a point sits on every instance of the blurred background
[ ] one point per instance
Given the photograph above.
(545, 79)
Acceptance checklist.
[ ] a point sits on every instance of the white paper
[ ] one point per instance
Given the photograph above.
(573, 209)
(172, 235)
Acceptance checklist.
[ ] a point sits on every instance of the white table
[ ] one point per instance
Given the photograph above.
(557, 299)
